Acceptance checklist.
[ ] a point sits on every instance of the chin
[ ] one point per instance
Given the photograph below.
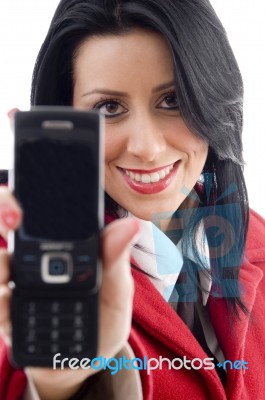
(154, 214)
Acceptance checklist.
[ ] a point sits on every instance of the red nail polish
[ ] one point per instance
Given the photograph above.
(11, 112)
(10, 218)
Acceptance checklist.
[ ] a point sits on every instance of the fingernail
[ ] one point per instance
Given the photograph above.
(11, 112)
(10, 218)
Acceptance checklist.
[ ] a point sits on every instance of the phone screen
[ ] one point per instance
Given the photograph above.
(57, 186)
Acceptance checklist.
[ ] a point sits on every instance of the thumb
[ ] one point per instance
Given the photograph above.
(118, 237)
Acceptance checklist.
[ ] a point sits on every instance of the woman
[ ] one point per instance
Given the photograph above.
(164, 76)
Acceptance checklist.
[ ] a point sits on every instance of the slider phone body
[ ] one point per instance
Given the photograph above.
(56, 269)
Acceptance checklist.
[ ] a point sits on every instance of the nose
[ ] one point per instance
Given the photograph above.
(146, 139)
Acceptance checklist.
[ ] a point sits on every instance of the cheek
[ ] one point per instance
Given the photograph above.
(192, 145)
(198, 149)
(195, 150)
(111, 151)
(201, 151)
(196, 157)
(196, 160)
(185, 140)
(114, 144)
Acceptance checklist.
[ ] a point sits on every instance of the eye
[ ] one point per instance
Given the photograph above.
(110, 108)
(169, 102)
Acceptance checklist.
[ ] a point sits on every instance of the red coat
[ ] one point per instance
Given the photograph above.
(158, 331)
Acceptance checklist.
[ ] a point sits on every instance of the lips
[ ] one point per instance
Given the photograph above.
(150, 177)
(151, 181)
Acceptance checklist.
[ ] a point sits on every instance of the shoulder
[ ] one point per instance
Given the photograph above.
(255, 245)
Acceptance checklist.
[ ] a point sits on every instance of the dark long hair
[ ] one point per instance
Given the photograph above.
(210, 93)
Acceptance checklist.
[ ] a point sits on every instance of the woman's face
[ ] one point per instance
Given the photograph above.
(150, 154)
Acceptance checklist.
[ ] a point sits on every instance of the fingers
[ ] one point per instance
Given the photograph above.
(10, 212)
(117, 285)
(12, 112)
(5, 296)
(10, 115)
(4, 267)
(117, 239)
(10, 218)
(117, 282)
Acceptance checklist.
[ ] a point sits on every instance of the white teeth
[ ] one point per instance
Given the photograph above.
(145, 178)
(153, 177)
(162, 174)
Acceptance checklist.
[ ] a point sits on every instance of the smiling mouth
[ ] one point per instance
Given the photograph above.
(152, 181)
(151, 177)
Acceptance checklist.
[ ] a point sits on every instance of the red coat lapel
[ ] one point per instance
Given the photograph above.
(160, 322)
(231, 331)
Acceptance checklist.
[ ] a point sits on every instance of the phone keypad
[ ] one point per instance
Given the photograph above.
(55, 327)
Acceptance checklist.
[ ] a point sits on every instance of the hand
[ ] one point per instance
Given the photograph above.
(115, 300)
(10, 218)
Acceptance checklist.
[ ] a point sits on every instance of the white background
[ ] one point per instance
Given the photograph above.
(23, 25)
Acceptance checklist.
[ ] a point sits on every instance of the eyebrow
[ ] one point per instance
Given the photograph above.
(105, 91)
(163, 86)
(110, 92)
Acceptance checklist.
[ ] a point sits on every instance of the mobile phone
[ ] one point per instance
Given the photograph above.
(55, 265)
